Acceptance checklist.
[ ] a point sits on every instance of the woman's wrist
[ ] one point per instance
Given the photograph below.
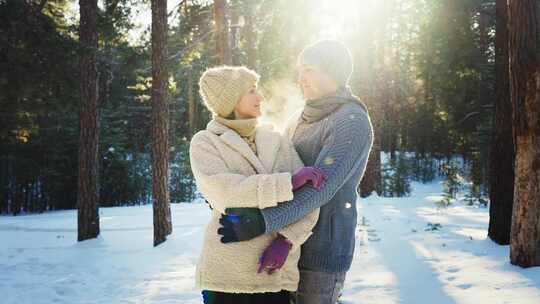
(286, 240)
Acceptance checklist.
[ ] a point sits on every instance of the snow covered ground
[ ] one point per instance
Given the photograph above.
(408, 251)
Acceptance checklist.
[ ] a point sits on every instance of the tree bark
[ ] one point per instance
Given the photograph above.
(192, 105)
(483, 20)
(160, 124)
(249, 32)
(501, 192)
(222, 31)
(88, 192)
(379, 100)
(525, 97)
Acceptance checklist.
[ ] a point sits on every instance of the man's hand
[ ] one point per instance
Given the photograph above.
(241, 224)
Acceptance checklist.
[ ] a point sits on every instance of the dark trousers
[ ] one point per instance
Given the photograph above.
(215, 297)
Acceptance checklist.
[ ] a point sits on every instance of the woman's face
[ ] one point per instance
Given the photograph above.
(249, 105)
(314, 83)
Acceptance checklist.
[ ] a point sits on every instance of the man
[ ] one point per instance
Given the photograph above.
(334, 133)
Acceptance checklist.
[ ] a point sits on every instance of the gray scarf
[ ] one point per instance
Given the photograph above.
(318, 109)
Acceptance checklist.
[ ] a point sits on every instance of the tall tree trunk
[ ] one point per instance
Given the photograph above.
(88, 192)
(383, 79)
(160, 124)
(484, 91)
(525, 96)
(192, 105)
(501, 165)
(17, 199)
(249, 32)
(372, 177)
(222, 31)
(483, 20)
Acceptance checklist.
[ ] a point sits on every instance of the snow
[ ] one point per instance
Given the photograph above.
(408, 250)
(41, 262)
(400, 258)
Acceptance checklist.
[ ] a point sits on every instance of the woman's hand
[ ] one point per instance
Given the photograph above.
(308, 174)
(275, 255)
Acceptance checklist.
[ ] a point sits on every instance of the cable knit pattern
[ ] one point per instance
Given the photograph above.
(339, 144)
(229, 174)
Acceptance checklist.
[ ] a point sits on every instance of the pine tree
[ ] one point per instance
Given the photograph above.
(222, 32)
(452, 183)
(502, 146)
(525, 95)
(160, 124)
(88, 195)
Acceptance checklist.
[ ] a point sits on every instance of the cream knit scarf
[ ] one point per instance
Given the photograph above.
(244, 127)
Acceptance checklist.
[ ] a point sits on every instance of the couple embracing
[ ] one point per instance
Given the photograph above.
(284, 212)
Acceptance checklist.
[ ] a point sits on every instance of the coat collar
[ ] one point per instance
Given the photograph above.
(267, 142)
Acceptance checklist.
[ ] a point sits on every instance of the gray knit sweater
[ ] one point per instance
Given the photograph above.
(339, 144)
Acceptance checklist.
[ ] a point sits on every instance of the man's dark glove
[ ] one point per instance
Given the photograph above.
(241, 224)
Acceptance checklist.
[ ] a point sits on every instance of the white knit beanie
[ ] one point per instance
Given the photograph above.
(222, 87)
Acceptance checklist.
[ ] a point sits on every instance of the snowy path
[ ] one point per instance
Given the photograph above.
(400, 258)
(396, 259)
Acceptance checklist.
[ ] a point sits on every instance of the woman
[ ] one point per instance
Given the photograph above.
(238, 164)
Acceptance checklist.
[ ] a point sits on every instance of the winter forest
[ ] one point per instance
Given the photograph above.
(99, 100)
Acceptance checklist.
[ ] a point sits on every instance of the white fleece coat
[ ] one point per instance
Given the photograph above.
(229, 174)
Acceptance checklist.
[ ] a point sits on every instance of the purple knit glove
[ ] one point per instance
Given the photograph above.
(308, 174)
(275, 255)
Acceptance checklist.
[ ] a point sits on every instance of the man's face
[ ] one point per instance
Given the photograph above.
(315, 83)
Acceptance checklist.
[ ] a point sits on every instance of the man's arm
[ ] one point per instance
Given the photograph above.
(345, 151)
